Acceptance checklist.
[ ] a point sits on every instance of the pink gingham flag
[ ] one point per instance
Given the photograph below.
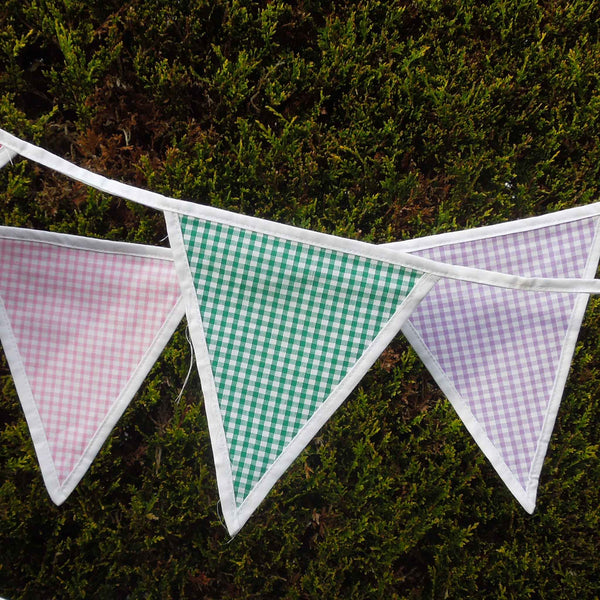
(82, 321)
(502, 356)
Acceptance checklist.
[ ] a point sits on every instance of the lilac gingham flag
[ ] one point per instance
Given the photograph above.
(502, 355)
(80, 327)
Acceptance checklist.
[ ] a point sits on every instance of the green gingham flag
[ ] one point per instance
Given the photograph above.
(284, 322)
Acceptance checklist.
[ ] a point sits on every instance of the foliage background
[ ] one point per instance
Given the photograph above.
(370, 119)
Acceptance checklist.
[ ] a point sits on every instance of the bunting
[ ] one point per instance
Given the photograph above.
(236, 269)
(82, 321)
(284, 323)
(502, 356)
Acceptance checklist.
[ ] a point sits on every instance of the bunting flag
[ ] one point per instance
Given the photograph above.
(285, 330)
(82, 321)
(502, 356)
(286, 321)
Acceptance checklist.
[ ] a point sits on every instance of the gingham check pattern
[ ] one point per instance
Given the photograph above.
(501, 348)
(82, 321)
(284, 323)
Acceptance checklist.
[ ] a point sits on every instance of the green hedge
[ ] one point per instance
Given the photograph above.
(373, 120)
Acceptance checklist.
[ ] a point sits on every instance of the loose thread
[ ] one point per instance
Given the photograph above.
(219, 516)
(187, 377)
(11, 155)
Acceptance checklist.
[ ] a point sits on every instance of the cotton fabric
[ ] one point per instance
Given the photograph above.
(82, 322)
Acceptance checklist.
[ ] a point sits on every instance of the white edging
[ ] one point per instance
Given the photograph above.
(315, 238)
(211, 403)
(488, 231)
(77, 242)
